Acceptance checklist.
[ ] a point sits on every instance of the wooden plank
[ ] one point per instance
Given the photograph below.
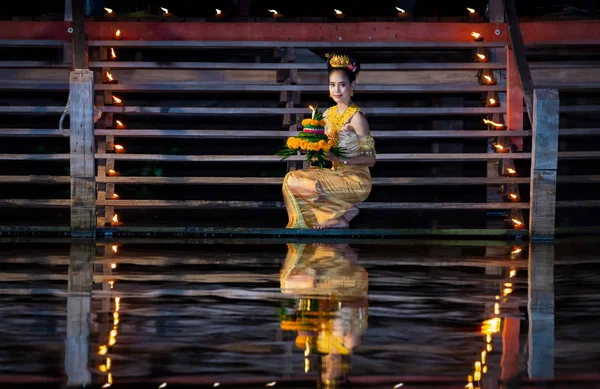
(578, 204)
(578, 154)
(410, 43)
(281, 111)
(34, 157)
(514, 98)
(516, 39)
(31, 203)
(35, 179)
(544, 147)
(317, 66)
(29, 42)
(32, 109)
(279, 204)
(34, 64)
(377, 181)
(274, 158)
(540, 309)
(579, 108)
(34, 85)
(83, 185)
(184, 86)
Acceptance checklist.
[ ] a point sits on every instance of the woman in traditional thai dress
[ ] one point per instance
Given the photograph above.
(327, 198)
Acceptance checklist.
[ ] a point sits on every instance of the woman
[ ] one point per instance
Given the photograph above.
(320, 199)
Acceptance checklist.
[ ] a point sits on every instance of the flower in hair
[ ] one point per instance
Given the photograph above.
(352, 67)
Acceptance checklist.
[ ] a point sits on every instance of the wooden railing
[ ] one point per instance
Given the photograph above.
(307, 79)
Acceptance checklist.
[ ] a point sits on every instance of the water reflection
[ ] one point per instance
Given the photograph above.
(329, 310)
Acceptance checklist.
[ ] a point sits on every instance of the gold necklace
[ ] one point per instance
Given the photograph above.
(336, 121)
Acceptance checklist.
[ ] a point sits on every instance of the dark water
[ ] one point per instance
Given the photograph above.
(377, 314)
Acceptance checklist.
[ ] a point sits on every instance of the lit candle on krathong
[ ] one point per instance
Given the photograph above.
(219, 14)
(119, 149)
(118, 35)
(109, 13)
(120, 125)
(402, 14)
(473, 13)
(113, 55)
(115, 220)
(117, 101)
(109, 79)
(518, 224)
(276, 14)
(497, 126)
(115, 248)
(339, 14)
(477, 36)
(313, 111)
(112, 173)
(166, 13)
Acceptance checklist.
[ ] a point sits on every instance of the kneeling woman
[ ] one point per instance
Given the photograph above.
(325, 198)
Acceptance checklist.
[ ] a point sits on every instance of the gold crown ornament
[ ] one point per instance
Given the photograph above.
(341, 61)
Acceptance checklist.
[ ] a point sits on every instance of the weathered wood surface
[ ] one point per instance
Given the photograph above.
(544, 163)
(30, 43)
(83, 185)
(306, 44)
(274, 158)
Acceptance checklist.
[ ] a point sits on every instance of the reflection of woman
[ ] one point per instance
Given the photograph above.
(331, 313)
(324, 198)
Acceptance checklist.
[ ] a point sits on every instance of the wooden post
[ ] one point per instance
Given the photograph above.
(541, 310)
(83, 181)
(544, 160)
(79, 302)
(68, 11)
(514, 99)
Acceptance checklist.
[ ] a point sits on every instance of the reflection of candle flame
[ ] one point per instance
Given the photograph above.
(483, 356)
(102, 350)
(496, 309)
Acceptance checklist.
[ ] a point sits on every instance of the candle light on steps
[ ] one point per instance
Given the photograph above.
(339, 14)
(402, 14)
(276, 14)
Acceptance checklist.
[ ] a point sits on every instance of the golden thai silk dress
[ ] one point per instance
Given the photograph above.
(315, 196)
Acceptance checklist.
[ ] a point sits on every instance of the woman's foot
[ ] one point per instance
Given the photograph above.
(351, 214)
(332, 224)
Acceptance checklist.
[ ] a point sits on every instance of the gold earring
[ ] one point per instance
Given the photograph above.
(330, 94)
(352, 93)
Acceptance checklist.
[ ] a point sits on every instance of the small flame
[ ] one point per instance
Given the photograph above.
(481, 57)
(338, 12)
(118, 33)
(498, 125)
(400, 10)
(492, 101)
(489, 348)
(483, 357)
(507, 291)
(517, 222)
(109, 76)
(113, 55)
(496, 309)
(478, 366)
(306, 365)
(219, 12)
(165, 10)
(115, 218)
(511, 170)
(508, 284)
(273, 11)
(485, 369)
(513, 273)
(477, 375)
(119, 124)
(119, 148)
(117, 100)
(112, 284)
(102, 350)
(113, 265)
(490, 327)
(516, 251)
(488, 78)
(498, 147)
(471, 10)
(513, 196)
(115, 248)
(108, 10)
(111, 172)
(108, 363)
(115, 196)
(475, 35)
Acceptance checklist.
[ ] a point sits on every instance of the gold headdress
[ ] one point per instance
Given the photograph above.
(341, 61)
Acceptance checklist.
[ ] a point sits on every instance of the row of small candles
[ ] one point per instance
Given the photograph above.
(338, 14)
